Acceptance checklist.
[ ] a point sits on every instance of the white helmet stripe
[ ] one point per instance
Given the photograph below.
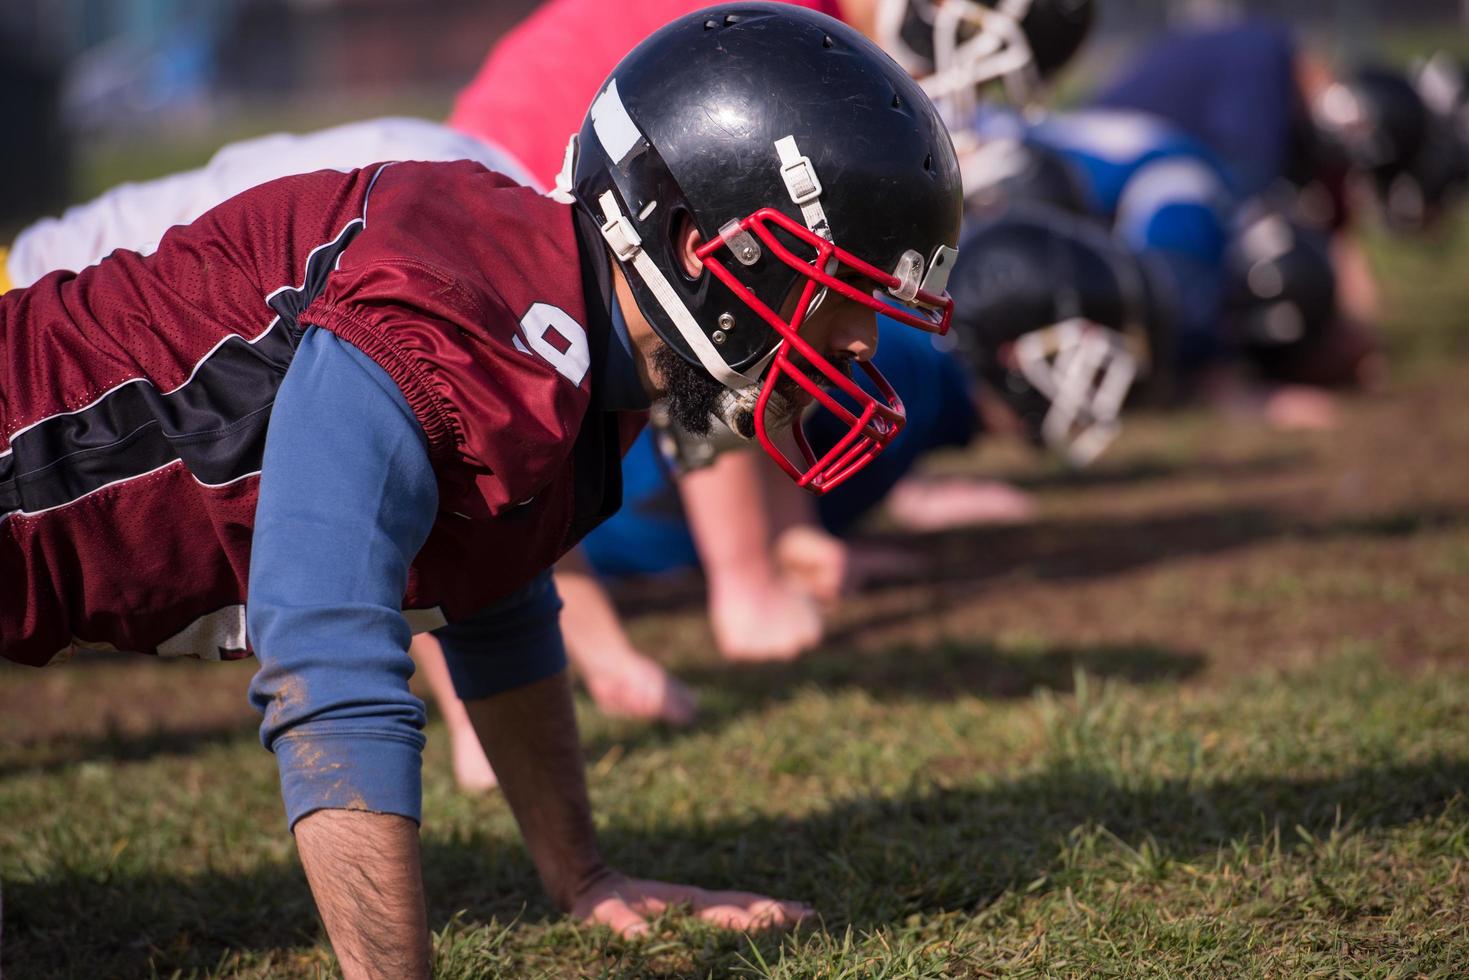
(615, 129)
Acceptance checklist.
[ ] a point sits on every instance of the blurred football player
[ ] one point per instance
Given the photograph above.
(136, 215)
(1316, 147)
(1170, 200)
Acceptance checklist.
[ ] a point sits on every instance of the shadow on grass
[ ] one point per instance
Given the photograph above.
(938, 673)
(941, 672)
(1087, 549)
(1152, 469)
(968, 562)
(865, 863)
(60, 752)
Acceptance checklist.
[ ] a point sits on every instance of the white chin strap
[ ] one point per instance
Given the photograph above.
(1085, 371)
(627, 244)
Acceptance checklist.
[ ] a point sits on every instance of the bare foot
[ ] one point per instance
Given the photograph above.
(471, 769)
(779, 621)
(1298, 408)
(632, 686)
(918, 504)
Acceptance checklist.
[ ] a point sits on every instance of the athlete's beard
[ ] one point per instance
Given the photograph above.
(695, 401)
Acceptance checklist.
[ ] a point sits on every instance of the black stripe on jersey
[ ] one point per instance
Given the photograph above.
(214, 423)
(319, 265)
(9, 495)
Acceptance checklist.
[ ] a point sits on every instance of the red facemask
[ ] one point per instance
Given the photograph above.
(874, 424)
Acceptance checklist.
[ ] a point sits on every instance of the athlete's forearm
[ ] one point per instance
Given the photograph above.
(530, 736)
(729, 518)
(789, 505)
(590, 621)
(365, 873)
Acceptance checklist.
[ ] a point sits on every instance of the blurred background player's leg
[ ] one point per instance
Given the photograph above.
(621, 680)
(471, 768)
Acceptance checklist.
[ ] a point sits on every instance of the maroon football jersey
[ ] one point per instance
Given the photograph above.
(135, 397)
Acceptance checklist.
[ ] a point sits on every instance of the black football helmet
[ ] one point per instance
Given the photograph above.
(1378, 123)
(804, 157)
(956, 46)
(1006, 170)
(1282, 288)
(1061, 322)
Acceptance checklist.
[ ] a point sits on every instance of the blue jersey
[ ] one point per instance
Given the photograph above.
(650, 535)
(1234, 88)
(1164, 194)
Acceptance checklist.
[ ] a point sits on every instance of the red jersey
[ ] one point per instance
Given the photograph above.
(535, 86)
(135, 396)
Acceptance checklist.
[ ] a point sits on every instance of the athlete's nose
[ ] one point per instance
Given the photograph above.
(855, 332)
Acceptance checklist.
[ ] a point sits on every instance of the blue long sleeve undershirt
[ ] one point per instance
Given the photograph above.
(347, 498)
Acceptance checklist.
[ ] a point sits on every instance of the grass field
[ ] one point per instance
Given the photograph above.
(1209, 716)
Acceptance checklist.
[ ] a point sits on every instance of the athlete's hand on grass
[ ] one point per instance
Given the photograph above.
(927, 504)
(625, 904)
